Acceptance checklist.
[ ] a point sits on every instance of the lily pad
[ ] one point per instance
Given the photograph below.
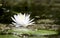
(35, 32)
(8, 36)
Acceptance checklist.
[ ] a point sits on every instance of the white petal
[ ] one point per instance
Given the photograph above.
(13, 19)
(31, 20)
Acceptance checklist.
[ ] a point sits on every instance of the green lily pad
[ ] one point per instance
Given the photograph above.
(8, 36)
(35, 32)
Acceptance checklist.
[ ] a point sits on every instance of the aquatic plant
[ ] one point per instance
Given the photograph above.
(22, 20)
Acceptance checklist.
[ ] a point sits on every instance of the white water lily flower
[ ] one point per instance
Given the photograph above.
(22, 20)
